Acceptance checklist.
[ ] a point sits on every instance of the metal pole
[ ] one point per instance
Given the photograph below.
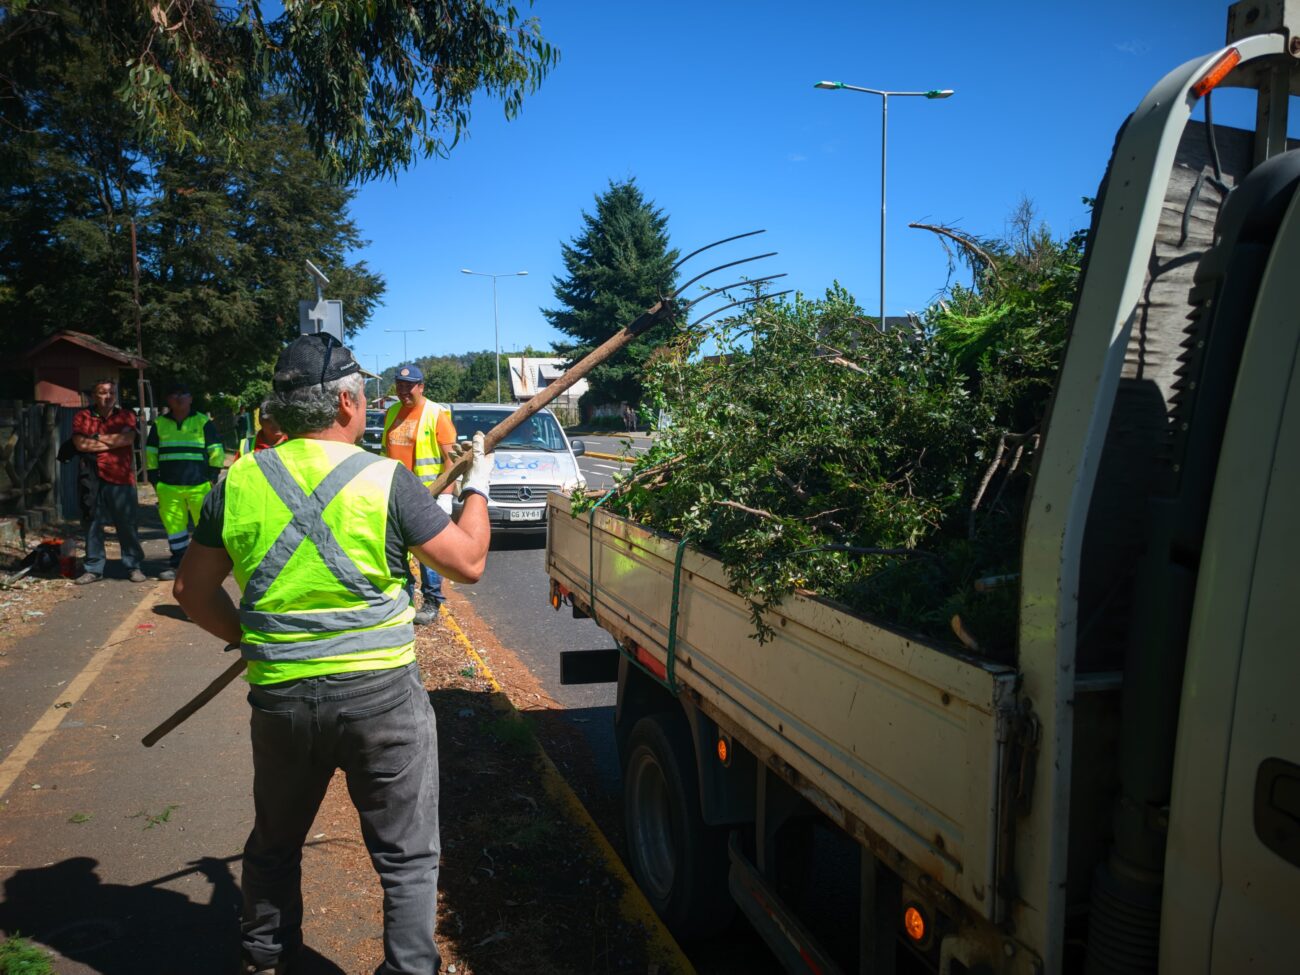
(884, 130)
(496, 328)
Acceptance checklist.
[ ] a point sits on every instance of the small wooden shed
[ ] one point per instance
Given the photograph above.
(67, 363)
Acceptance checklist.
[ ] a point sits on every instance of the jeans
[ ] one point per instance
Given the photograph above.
(430, 584)
(115, 505)
(379, 728)
(430, 581)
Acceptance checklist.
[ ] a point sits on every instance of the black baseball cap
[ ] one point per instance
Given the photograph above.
(178, 389)
(312, 360)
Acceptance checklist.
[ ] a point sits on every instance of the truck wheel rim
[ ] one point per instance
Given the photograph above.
(652, 839)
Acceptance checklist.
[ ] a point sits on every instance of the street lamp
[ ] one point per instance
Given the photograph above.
(884, 126)
(496, 327)
(378, 372)
(405, 332)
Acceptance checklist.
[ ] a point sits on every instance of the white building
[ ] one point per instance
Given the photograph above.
(528, 376)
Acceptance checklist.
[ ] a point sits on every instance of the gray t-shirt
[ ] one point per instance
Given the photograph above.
(413, 518)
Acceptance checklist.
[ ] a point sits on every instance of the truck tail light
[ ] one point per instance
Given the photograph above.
(914, 924)
(724, 750)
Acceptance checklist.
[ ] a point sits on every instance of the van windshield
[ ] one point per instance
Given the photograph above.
(538, 432)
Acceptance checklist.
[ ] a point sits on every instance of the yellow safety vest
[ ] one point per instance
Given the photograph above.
(305, 526)
(184, 441)
(428, 455)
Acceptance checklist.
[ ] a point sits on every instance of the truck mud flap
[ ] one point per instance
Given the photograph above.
(589, 666)
(792, 943)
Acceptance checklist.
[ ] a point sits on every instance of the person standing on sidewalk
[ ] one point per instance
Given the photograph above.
(184, 457)
(109, 432)
(419, 434)
(317, 533)
(268, 436)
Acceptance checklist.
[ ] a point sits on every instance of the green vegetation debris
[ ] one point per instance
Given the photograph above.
(80, 817)
(20, 957)
(152, 820)
(886, 470)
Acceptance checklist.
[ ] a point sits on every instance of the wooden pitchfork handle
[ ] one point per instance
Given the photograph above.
(196, 702)
(459, 463)
(657, 312)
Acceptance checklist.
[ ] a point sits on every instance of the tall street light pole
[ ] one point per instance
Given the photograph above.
(884, 135)
(496, 326)
(405, 332)
(378, 372)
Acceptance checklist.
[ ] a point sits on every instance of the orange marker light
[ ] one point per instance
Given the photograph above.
(914, 923)
(724, 754)
(1218, 71)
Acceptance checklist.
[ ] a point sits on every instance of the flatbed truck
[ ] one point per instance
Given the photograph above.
(1123, 795)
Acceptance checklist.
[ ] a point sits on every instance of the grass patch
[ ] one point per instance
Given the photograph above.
(19, 957)
(512, 733)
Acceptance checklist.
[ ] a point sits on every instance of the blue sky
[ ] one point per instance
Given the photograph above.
(710, 106)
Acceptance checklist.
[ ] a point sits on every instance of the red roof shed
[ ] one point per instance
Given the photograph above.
(67, 362)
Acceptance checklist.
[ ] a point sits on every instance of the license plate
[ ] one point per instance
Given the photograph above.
(526, 514)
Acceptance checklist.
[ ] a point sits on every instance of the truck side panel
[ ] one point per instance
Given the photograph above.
(906, 737)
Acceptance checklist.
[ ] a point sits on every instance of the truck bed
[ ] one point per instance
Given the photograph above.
(907, 738)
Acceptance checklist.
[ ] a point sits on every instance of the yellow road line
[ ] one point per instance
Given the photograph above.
(632, 904)
(48, 723)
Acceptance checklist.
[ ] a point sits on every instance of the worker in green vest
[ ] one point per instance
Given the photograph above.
(184, 457)
(317, 533)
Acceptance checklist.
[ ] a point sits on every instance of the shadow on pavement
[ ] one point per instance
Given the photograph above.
(140, 929)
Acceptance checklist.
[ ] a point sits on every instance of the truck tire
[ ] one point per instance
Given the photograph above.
(679, 862)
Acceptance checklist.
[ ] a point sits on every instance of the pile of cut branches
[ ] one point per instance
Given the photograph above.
(885, 470)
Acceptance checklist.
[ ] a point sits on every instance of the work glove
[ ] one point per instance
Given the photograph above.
(477, 477)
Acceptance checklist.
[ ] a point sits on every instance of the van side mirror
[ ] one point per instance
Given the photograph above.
(579, 448)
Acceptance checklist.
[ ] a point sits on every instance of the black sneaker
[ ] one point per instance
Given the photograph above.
(425, 615)
(167, 574)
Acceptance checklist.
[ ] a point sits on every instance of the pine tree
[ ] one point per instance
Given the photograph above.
(617, 267)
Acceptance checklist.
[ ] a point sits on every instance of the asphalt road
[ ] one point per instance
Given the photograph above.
(512, 598)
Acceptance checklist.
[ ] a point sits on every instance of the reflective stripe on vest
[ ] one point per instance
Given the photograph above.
(185, 441)
(428, 455)
(339, 611)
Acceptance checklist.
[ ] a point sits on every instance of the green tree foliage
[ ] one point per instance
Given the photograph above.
(375, 82)
(884, 470)
(220, 247)
(616, 268)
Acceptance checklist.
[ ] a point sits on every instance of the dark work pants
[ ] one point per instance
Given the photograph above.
(379, 728)
(115, 505)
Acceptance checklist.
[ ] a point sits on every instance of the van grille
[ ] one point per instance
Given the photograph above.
(535, 493)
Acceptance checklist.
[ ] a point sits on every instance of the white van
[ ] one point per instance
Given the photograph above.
(536, 459)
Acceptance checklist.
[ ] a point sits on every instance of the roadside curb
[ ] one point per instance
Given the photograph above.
(632, 904)
(622, 458)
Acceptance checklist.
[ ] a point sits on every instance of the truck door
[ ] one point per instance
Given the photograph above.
(1259, 844)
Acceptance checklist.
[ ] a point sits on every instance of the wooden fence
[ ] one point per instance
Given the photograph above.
(30, 434)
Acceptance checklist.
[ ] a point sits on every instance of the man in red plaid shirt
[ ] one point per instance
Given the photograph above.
(108, 431)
